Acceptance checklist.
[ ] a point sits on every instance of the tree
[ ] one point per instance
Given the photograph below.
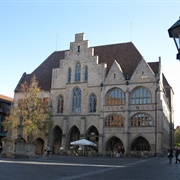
(177, 137)
(31, 113)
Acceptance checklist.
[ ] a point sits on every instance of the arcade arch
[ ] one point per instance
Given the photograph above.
(140, 144)
(113, 143)
(57, 139)
(39, 146)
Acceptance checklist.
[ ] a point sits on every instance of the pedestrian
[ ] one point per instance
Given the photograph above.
(118, 152)
(48, 150)
(122, 151)
(177, 154)
(170, 155)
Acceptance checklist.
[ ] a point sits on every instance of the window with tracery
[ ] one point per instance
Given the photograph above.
(115, 97)
(92, 103)
(86, 73)
(78, 72)
(76, 100)
(141, 96)
(69, 75)
(114, 120)
(141, 119)
(60, 104)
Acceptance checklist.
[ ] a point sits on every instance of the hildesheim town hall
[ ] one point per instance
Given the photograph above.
(106, 94)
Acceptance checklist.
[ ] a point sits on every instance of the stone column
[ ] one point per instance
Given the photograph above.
(64, 143)
(83, 127)
(100, 144)
(126, 128)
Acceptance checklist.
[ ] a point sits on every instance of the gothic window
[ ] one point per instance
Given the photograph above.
(141, 95)
(60, 104)
(141, 119)
(76, 100)
(69, 75)
(92, 103)
(115, 97)
(86, 74)
(78, 72)
(114, 120)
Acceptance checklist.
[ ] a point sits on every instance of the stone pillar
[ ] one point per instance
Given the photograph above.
(65, 142)
(82, 128)
(100, 144)
(126, 132)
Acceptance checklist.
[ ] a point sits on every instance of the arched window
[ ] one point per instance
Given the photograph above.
(141, 119)
(86, 73)
(115, 97)
(60, 104)
(76, 100)
(141, 96)
(69, 75)
(114, 120)
(78, 72)
(92, 103)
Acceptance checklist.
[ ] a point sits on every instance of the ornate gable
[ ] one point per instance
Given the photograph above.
(115, 74)
(143, 73)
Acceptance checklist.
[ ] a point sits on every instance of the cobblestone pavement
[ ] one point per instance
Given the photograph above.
(89, 168)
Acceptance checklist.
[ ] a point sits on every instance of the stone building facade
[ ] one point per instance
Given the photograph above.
(107, 94)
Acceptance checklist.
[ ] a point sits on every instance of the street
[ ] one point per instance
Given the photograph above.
(73, 167)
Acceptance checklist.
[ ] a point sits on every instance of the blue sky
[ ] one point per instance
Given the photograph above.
(32, 30)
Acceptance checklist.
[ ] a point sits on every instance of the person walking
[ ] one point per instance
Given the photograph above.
(118, 152)
(170, 155)
(48, 150)
(177, 154)
(122, 151)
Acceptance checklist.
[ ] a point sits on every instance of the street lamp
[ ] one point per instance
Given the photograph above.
(174, 32)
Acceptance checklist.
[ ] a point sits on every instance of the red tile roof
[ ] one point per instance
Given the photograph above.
(6, 98)
(125, 54)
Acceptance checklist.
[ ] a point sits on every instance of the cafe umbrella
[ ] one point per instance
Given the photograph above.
(83, 142)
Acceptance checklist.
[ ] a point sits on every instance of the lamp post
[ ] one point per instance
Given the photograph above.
(174, 32)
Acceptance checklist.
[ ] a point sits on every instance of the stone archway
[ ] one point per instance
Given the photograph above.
(92, 135)
(57, 139)
(112, 145)
(39, 146)
(140, 144)
(74, 134)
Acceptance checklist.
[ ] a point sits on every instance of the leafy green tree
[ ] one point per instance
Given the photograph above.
(31, 112)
